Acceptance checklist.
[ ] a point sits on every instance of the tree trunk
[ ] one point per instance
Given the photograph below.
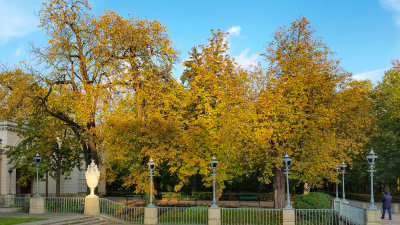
(58, 178)
(279, 188)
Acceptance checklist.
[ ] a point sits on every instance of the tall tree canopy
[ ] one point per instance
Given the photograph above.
(299, 108)
(93, 63)
(218, 112)
(386, 140)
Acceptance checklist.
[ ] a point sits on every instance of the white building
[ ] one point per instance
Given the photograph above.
(74, 186)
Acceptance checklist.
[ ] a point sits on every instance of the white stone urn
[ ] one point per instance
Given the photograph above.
(92, 178)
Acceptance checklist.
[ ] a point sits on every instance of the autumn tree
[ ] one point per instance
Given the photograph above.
(385, 141)
(53, 140)
(21, 94)
(94, 63)
(218, 113)
(299, 108)
(17, 89)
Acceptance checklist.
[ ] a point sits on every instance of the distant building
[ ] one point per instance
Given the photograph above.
(75, 185)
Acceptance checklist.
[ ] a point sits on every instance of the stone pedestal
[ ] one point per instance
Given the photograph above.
(92, 205)
(36, 205)
(9, 200)
(395, 208)
(289, 217)
(214, 216)
(372, 217)
(150, 215)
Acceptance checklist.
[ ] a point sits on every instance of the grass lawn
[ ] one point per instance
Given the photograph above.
(9, 221)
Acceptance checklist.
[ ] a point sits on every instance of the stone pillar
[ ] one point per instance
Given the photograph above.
(92, 205)
(214, 216)
(150, 215)
(9, 200)
(372, 217)
(36, 205)
(395, 208)
(289, 217)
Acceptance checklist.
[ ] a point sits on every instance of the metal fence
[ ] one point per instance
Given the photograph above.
(121, 212)
(183, 215)
(353, 214)
(316, 217)
(64, 204)
(11, 204)
(251, 216)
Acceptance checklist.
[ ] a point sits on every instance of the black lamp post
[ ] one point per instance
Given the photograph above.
(343, 167)
(372, 160)
(214, 164)
(10, 170)
(37, 160)
(287, 161)
(151, 165)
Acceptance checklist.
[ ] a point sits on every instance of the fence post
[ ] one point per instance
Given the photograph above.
(36, 205)
(9, 200)
(289, 217)
(92, 205)
(214, 216)
(372, 217)
(395, 208)
(150, 215)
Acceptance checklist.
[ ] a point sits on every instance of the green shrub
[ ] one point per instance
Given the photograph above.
(314, 200)
(203, 195)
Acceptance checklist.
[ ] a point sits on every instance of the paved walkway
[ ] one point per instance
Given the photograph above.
(395, 217)
(63, 219)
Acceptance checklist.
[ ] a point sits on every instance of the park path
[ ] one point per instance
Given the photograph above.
(395, 217)
(395, 220)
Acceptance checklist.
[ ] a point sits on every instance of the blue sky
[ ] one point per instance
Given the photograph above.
(365, 34)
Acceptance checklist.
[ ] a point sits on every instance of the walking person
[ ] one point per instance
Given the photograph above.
(387, 204)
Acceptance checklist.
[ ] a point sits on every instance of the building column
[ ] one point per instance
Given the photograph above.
(289, 217)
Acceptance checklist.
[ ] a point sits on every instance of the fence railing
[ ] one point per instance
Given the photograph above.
(353, 214)
(121, 212)
(251, 216)
(183, 215)
(64, 204)
(10, 204)
(316, 217)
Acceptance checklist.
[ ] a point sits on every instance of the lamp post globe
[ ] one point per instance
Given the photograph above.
(287, 161)
(37, 159)
(10, 170)
(343, 167)
(214, 164)
(151, 165)
(371, 158)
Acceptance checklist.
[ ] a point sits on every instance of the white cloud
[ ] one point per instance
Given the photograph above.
(234, 31)
(246, 60)
(16, 19)
(393, 5)
(373, 75)
(18, 51)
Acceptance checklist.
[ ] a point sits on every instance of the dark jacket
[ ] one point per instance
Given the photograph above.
(387, 201)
